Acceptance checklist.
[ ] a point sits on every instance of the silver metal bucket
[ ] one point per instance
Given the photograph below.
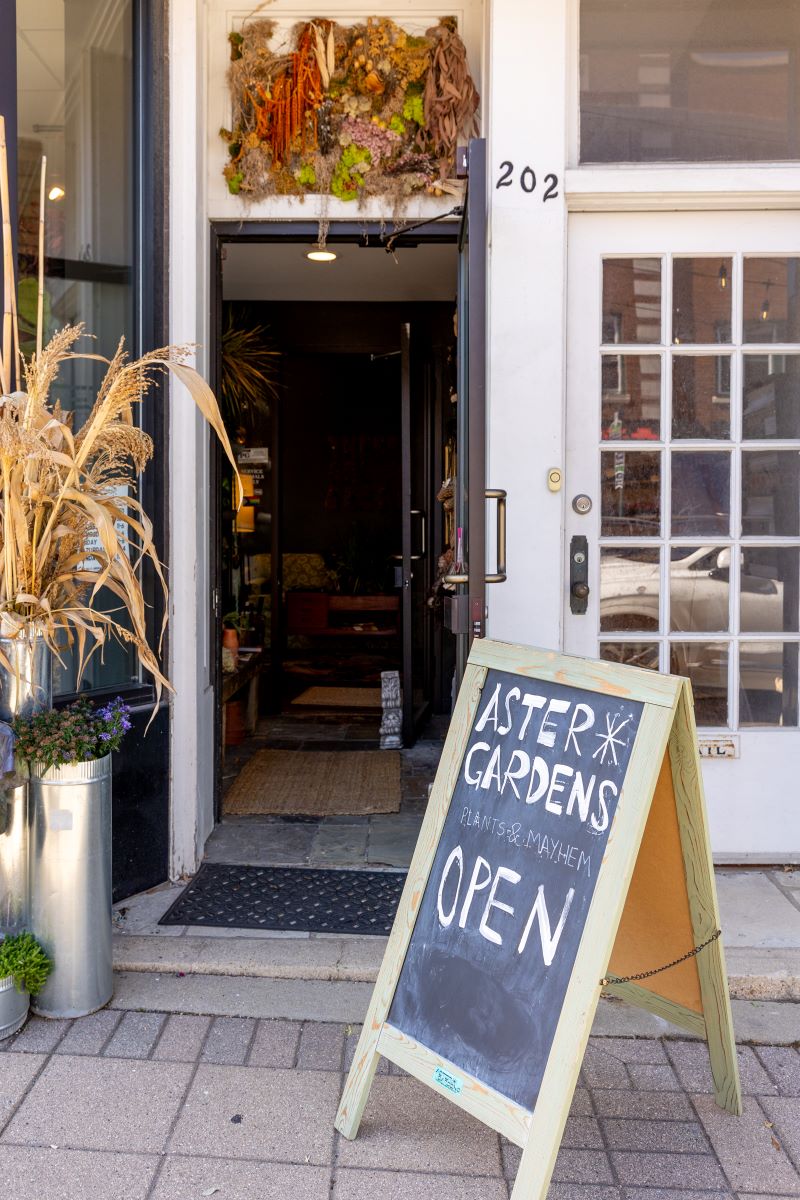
(27, 687)
(13, 1007)
(70, 907)
(14, 904)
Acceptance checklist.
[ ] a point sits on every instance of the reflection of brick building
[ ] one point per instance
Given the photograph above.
(688, 81)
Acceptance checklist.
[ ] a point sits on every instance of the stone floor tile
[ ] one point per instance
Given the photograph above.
(101, 1104)
(784, 1112)
(582, 1133)
(45, 1173)
(680, 1193)
(581, 1191)
(668, 1170)
(339, 845)
(783, 1065)
(88, 1035)
(582, 1166)
(321, 1047)
(404, 1185)
(760, 1196)
(633, 1050)
(351, 1035)
(744, 1146)
(191, 1178)
(253, 1112)
(602, 1069)
(681, 1137)
(229, 1040)
(691, 1063)
(40, 1035)
(17, 1073)
(652, 1106)
(581, 1105)
(405, 1122)
(575, 1165)
(755, 1080)
(182, 1038)
(135, 1036)
(275, 1044)
(647, 1078)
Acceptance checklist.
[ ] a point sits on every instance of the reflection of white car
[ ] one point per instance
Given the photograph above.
(699, 603)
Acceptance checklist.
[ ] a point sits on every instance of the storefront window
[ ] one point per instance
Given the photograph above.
(75, 106)
(689, 81)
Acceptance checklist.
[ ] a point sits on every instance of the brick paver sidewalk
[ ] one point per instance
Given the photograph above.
(144, 1105)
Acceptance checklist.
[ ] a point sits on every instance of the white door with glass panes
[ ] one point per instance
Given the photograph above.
(683, 475)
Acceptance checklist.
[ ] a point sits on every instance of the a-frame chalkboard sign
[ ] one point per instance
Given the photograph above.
(564, 849)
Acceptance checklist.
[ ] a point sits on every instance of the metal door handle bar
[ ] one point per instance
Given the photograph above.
(500, 496)
(499, 576)
(423, 550)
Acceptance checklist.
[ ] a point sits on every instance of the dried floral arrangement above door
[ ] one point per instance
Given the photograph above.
(352, 112)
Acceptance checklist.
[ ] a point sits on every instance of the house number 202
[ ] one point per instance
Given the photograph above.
(526, 180)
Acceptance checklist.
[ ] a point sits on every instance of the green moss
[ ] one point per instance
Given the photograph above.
(350, 170)
(412, 108)
(235, 183)
(237, 41)
(397, 125)
(306, 176)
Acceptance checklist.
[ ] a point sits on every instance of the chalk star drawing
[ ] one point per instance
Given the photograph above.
(610, 741)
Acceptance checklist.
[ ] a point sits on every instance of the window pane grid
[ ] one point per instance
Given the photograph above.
(756, 595)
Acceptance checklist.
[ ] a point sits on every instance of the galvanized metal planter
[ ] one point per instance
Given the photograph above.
(25, 689)
(14, 909)
(70, 884)
(13, 1007)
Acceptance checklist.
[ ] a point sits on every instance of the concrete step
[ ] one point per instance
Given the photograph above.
(297, 999)
(755, 973)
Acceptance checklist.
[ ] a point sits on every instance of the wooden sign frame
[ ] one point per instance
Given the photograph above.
(664, 759)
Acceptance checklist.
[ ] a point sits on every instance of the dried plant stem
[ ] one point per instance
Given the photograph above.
(8, 263)
(40, 299)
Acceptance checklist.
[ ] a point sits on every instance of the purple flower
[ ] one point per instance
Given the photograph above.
(105, 737)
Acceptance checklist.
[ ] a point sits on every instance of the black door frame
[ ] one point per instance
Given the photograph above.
(255, 232)
(141, 771)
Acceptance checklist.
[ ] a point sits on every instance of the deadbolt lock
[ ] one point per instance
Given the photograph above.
(582, 504)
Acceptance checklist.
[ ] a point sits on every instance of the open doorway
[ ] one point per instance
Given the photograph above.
(330, 572)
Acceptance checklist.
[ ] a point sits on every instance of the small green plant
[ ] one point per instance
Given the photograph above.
(78, 733)
(25, 961)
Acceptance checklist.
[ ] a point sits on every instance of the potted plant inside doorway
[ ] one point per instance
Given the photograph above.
(24, 970)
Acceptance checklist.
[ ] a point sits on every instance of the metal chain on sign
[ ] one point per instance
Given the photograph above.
(667, 966)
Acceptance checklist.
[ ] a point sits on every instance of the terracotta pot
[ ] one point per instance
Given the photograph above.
(230, 641)
(234, 723)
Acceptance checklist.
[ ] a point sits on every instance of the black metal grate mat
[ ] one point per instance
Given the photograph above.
(289, 898)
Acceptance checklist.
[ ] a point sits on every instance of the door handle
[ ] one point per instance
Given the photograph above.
(578, 575)
(500, 496)
(423, 550)
(499, 576)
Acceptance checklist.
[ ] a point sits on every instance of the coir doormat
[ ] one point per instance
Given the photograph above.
(316, 783)
(289, 898)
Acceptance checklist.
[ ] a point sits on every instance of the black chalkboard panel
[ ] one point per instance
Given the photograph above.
(513, 876)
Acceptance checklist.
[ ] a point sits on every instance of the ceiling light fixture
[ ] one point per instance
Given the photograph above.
(318, 255)
(56, 193)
